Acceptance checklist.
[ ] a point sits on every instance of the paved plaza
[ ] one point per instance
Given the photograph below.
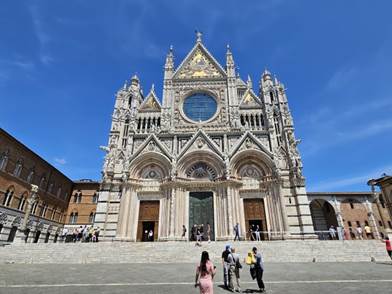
(302, 278)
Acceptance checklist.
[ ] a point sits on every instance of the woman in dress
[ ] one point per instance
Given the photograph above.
(205, 273)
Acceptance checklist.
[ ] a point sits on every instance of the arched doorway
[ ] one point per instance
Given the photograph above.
(323, 217)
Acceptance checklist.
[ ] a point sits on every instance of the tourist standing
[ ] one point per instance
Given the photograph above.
(150, 236)
(225, 264)
(198, 236)
(360, 232)
(64, 234)
(237, 232)
(96, 234)
(259, 269)
(257, 233)
(183, 232)
(205, 273)
(388, 246)
(208, 232)
(193, 232)
(332, 232)
(368, 232)
(235, 266)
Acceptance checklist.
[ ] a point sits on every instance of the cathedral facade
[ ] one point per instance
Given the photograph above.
(216, 152)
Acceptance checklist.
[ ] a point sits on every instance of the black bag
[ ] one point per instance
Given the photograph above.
(238, 264)
(253, 272)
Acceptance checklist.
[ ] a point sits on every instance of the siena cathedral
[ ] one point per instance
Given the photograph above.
(215, 152)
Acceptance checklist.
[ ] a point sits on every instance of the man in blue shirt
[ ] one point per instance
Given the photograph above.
(259, 268)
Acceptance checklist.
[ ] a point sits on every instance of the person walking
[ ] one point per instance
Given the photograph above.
(259, 269)
(225, 264)
(388, 246)
(237, 232)
(183, 232)
(205, 273)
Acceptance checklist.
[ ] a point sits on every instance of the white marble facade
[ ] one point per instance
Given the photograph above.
(245, 148)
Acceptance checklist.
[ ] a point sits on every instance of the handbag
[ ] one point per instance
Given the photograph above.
(253, 272)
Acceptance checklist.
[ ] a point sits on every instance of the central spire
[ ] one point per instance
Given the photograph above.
(198, 36)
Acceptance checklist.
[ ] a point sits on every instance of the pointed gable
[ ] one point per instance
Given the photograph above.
(250, 100)
(152, 144)
(249, 141)
(200, 142)
(151, 103)
(199, 64)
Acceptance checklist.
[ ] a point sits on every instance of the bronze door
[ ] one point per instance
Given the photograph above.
(201, 212)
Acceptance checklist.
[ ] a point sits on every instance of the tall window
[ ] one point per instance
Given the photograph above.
(95, 198)
(30, 177)
(91, 217)
(22, 202)
(34, 208)
(53, 213)
(3, 160)
(18, 168)
(73, 219)
(125, 134)
(8, 196)
(42, 183)
(44, 209)
(59, 192)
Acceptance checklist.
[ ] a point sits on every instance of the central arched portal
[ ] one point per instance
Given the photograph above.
(201, 214)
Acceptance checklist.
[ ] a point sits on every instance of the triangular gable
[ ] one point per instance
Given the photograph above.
(152, 144)
(151, 103)
(199, 64)
(249, 141)
(199, 142)
(250, 100)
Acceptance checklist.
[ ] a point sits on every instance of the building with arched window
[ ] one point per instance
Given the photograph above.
(215, 150)
(19, 168)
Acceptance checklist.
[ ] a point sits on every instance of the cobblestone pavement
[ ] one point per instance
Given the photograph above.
(301, 278)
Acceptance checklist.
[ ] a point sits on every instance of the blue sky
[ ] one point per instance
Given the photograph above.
(61, 63)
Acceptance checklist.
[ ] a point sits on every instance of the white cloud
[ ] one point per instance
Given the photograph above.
(349, 181)
(61, 161)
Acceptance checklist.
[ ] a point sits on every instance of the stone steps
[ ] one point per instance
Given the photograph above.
(187, 252)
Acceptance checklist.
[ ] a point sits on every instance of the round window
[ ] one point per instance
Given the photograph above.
(199, 107)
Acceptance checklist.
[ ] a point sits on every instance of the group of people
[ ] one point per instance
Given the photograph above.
(255, 233)
(199, 233)
(81, 234)
(232, 266)
(340, 233)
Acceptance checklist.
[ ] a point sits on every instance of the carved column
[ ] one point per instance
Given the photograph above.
(30, 202)
(172, 213)
(373, 223)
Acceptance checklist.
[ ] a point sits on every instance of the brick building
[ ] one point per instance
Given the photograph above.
(19, 169)
(82, 204)
(350, 210)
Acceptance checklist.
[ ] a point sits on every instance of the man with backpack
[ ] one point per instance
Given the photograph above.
(226, 265)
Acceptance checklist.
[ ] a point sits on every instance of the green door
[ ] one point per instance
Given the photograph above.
(201, 212)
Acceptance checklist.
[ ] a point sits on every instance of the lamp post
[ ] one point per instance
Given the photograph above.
(30, 202)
